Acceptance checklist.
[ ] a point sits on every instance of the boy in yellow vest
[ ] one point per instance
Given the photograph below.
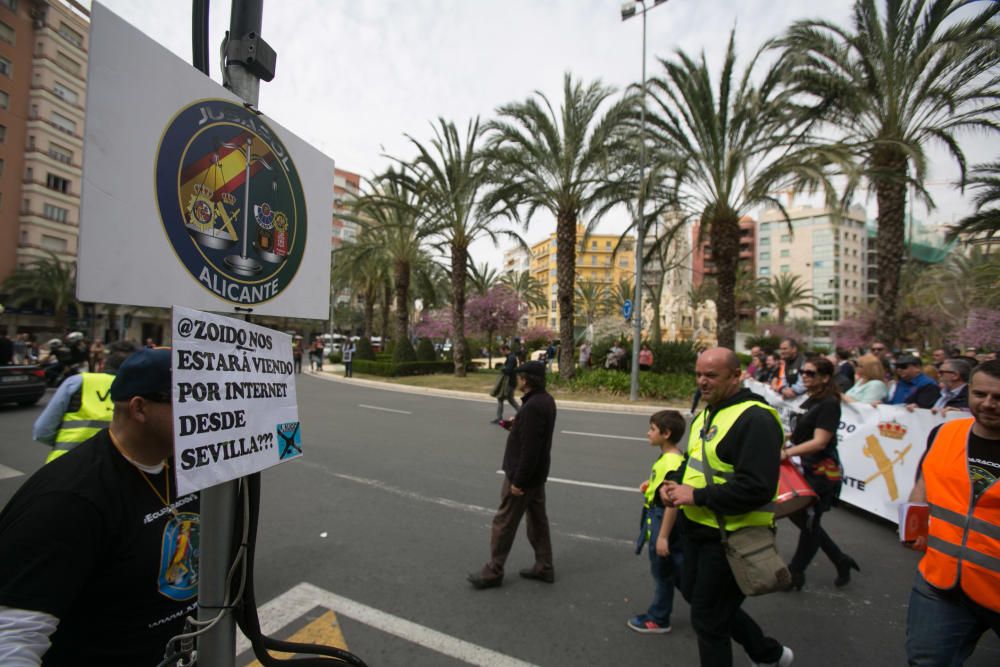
(665, 560)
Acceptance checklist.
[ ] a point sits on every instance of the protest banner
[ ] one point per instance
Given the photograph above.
(880, 448)
(235, 410)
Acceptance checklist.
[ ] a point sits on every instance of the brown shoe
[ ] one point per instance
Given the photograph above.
(479, 582)
(548, 576)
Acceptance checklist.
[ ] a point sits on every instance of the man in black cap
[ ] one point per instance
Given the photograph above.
(913, 386)
(99, 556)
(526, 467)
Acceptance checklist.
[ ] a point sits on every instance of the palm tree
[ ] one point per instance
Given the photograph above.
(749, 291)
(528, 289)
(786, 292)
(621, 293)
(482, 278)
(452, 174)
(564, 163)
(985, 179)
(733, 147)
(48, 280)
(592, 299)
(890, 85)
(361, 266)
(392, 227)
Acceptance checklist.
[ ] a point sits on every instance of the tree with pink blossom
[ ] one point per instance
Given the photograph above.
(434, 324)
(495, 312)
(982, 329)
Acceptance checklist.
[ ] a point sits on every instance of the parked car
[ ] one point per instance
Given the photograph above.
(23, 385)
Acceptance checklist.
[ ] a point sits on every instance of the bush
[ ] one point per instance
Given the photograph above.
(384, 369)
(426, 351)
(363, 351)
(388, 347)
(657, 386)
(334, 357)
(765, 343)
(674, 357)
(403, 352)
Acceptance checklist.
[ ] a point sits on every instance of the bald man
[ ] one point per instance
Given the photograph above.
(740, 437)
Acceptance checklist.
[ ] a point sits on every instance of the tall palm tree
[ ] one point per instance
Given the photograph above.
(48, 280)
(787, 292)
(592, 299)
(389, 216)
(362, 267)
(482, 278)
(892, 83)
(528, 289)
(985, 179)
(452, 174)
(749, 291)
(563, 162)
(734, 146)
(621, 293)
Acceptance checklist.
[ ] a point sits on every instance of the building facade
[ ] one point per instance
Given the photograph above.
(599, 258)
(828, 253)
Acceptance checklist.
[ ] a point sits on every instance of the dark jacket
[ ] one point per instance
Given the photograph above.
(753, 447)
(528, 454)
(959, 400)
(925, 395)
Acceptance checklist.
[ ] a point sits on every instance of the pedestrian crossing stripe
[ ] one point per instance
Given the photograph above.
(324, 631)
(6, 472)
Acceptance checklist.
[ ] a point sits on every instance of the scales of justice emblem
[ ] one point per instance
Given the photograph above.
(231, 201)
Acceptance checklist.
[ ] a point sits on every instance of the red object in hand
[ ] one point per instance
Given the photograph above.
(913, 525)
(506, 423)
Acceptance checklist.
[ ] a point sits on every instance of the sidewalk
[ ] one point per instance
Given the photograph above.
(335, 373)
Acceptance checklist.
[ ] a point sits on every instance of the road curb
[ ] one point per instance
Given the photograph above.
(583, 406)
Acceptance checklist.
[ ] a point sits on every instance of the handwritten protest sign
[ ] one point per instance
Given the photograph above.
(235, 409)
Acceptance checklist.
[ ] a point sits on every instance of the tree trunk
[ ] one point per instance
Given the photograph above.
(385, 304)
(368, 324)
(724, 234)
(566, 277)
(890, 192)
(459, 261)
(402, 281)
(656, 293)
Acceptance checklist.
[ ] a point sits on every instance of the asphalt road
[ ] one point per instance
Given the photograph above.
(403, 487)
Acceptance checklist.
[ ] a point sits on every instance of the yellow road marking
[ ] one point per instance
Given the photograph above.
(324, 630)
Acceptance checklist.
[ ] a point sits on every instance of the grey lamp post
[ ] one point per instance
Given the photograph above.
(629, 9)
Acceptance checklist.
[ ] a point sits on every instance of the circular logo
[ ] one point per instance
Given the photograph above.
(231, 201)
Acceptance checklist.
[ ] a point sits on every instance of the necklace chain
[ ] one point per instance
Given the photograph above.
(166, 469)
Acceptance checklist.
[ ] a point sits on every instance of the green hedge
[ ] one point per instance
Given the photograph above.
(334, 357)
(652, 385)
(426, 351)
(404, 353)
(363, 350)
(388, 369)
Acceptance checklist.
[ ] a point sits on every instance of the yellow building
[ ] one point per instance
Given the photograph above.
(596, 260)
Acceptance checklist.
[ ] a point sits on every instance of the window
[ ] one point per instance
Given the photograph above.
(64, 92)
(623, 263)
(785, 268)
(56, 213)
(5, 67)
(9, 4)
(3, 133)
(593, 260)
(71, 36)
(765, 240)
(765, 255)
(57, 183)
(4, 100)
(607, 245)
(593, 244)
(555, 304)
(786, 253)
(53, 243)
(6, 33)
(57, 152)
(553, 325)
(67, 63)
(1, 166)
(764, 271)
(786, 238)
(67, 125)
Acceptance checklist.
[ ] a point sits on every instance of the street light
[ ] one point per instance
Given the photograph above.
(630, 9)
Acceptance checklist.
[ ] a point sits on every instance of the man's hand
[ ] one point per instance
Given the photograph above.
(910, 407)
(674, 494)
(662, 547)
(516, 490)
(788, 393)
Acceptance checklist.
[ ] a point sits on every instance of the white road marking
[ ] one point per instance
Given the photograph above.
(375, 407)
(294, 603)
(605, 435)
(593, 485)
(6, 473)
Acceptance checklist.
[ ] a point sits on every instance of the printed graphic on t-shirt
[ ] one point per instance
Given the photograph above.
(178, 578)
(983, 474)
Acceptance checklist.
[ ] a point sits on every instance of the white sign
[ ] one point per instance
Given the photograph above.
(879, 447)
(188, 196)
(235, 411)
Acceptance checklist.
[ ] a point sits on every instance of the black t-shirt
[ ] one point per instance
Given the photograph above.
(821, 413)
(86, 540)
(984, 463)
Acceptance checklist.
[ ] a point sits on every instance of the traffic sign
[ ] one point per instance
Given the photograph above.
(627, 309)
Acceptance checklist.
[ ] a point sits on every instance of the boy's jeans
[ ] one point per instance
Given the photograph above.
(663, 584)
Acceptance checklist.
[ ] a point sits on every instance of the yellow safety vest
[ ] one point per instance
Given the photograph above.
(667, 463)
(94, 414)
(702, 444)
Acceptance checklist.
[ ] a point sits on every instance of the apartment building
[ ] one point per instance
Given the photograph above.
(827, 251)
(516, 260)
(599, 258)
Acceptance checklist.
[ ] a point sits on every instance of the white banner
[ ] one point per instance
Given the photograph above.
(880, 449)
(235, 410)
(190, 197)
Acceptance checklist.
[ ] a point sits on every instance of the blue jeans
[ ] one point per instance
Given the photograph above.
(663, 583)
(943, 627)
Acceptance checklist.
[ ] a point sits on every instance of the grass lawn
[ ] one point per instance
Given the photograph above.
(481, 382)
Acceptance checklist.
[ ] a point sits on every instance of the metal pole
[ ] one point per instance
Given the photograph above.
(217, 646)
(640, 227)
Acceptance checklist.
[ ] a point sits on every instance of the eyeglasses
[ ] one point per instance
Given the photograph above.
(808, 374)
(944, 370)
(878, 349)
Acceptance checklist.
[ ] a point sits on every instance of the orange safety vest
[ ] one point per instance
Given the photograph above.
(963, 537)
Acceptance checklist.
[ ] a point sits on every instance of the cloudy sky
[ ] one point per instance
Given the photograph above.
(354, 76)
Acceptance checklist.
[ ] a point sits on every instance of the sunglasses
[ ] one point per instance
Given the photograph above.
(878, 349)
(808, 374)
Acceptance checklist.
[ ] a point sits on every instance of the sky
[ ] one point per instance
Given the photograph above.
(354, 77)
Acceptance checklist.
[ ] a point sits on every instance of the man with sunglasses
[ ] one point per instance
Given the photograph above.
(913, 386)
(97, 551)
(954, 386)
